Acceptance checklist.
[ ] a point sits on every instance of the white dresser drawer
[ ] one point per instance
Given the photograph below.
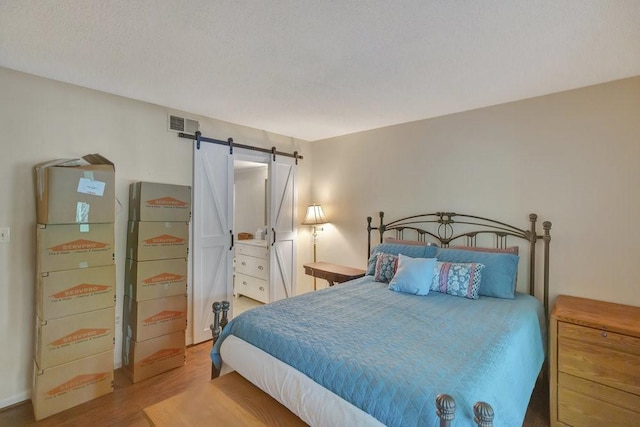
(252, 287)
(252, 250)
(256, 267)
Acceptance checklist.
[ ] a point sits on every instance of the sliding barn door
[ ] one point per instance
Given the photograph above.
(212, 223)
(282, 227)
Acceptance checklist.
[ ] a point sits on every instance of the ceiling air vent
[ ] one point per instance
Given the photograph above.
(182, 124)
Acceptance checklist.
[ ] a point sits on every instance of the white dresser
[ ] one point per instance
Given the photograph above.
(252, 269)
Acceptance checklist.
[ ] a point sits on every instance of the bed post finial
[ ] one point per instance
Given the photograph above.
(483, 414)
(445, 409)
(369, 237)
(533, 238)
(215, 327)
(225, 309)
(382, 227)
(547, 239)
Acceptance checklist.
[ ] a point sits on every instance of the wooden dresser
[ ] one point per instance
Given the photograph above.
(595, 363)
(252, 269)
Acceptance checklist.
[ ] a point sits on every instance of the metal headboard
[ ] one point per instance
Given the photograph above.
(443, 228)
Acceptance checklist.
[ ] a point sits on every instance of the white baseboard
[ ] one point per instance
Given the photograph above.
(15, 399)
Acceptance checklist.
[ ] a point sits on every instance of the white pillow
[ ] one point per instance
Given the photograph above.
(413, 275)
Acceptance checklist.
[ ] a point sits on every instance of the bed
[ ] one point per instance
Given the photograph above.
(381, 350)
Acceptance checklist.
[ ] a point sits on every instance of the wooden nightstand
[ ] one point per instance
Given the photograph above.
(332, 273)
(595, 363)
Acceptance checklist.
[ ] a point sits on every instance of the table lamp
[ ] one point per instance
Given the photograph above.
(314, 217)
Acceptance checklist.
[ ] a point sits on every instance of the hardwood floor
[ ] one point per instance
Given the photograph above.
(124, 406)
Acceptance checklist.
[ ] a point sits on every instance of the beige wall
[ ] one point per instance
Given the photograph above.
(41, 120)
(573, 158)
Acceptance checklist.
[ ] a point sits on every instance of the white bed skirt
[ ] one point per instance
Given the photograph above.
(313, 403)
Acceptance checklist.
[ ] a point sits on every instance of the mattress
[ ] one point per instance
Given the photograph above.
(390, 354)
(311, 402)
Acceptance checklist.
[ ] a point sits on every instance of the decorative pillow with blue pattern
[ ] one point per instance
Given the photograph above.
(386, 265)
(458, 279)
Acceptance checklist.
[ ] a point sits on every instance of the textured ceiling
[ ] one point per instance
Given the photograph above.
(313, 69)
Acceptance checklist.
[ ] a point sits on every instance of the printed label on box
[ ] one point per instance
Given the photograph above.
(76, 383)
(81, 290)
(165, 240)
(160, 355)
(163, 316)
(165, 202)
(89, 186)
(79, 336)
(78, 246)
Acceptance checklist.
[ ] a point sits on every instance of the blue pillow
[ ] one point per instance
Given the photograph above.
(413, 251)
(500, 272)
(413, 275)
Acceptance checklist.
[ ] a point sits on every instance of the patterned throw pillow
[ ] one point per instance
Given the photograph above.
(458, 279)
(386, 265)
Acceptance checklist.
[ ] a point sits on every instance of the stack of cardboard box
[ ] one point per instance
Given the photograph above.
(155, 302)
(76, 282)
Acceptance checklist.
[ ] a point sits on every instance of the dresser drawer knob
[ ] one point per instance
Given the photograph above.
(260, 267)
(604, 334)
(244, 263)
(244, 282)
(262, 288)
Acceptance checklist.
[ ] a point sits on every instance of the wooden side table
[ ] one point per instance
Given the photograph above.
(594, 356)
(332, 273)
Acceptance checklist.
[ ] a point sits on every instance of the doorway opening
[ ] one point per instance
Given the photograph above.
(251, 251)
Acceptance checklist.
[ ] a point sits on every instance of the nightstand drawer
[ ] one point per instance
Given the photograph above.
(608, 358)
(252, 287)
(256, 267)
(252, 250)
(601, 338)
(585, 403)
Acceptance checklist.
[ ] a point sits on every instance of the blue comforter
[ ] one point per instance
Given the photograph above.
(391, 354)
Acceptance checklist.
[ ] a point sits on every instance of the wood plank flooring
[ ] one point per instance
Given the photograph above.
(124, 406)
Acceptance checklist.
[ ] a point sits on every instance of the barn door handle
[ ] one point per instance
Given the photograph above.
(273, 231)
(231, 234)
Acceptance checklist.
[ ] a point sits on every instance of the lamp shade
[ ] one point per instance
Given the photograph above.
(315, 215)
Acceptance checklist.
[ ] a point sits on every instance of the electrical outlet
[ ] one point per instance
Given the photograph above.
(5, 235)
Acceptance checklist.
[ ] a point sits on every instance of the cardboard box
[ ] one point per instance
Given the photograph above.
(68, 247)
(76, 191)
(62, 340)
(70, 384)
(152, 318)
(150, 201)
(68, 292)
(145, 359)
(146, 280)
(148, 241)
